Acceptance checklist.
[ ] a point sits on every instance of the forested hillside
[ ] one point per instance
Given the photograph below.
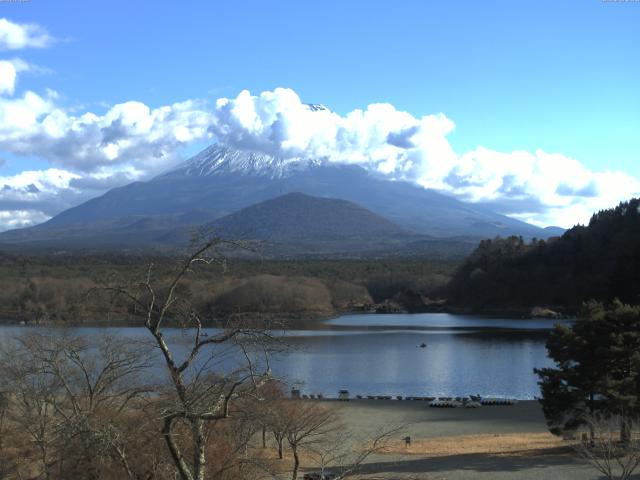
(600, 261)
(54, 288)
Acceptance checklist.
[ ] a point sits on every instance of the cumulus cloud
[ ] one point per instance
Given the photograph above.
(34, 196)
(539, 187)
(37, 195)
(129, 133)
(378, 137)
(130, 136)
(36, 181)
(10, 219)
(16, 36)
(93, 152)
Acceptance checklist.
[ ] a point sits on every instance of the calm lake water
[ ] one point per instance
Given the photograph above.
(381, 354)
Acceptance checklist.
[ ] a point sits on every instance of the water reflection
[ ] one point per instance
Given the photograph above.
(441, 320)
(392, 363)
(381, 354)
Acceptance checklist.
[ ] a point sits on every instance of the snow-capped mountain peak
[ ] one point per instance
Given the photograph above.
(220, 159)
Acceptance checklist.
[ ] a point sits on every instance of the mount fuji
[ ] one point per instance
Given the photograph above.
(221, 181)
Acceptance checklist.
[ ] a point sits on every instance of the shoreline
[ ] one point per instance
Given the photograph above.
(292, 322)
(526, 415)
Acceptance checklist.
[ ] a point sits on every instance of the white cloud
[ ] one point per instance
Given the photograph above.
(379, 137)
(7, 77)
(16, 36)
(27, 182)
(94, 152)
(35, 195)
(129, 133)
(132, 141)
(540, 187)
(9, 70)
(10, 219)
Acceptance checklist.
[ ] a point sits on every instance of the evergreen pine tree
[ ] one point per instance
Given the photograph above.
(597, 368)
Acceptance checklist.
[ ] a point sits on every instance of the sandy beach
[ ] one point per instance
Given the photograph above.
(491, 442)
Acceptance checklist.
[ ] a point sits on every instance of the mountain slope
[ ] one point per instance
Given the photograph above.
(220, 181)
(299, 225)
(299, 217)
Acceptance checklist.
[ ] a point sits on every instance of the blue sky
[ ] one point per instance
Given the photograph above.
(556, 76)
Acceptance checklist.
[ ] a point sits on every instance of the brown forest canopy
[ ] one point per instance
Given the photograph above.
(53, 288)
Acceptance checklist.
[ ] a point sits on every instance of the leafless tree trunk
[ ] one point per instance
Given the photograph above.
(279, 441)
(277, 422)
(198, 398)
(296, 461)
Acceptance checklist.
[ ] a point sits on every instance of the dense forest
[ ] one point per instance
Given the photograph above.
(599, 261)
(55, 288)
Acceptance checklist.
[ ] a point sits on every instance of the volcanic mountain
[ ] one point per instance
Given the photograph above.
(221, 181)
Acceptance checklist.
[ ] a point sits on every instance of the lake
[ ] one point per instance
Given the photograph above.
(371, 354)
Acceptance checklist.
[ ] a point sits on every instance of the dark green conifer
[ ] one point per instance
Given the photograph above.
(597, 368)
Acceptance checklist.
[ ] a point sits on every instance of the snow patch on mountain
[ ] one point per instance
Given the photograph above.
(220, 159)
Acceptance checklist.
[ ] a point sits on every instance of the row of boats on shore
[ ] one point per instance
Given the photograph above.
(472, 401)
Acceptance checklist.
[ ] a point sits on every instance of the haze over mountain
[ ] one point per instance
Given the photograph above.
(220, 181)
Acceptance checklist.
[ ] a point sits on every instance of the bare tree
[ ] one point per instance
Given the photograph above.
(615, 458)
(7, 464)
(275, 419)
(70, 397)
(345, 454)
(202, 387)
(317, 431)
(267, 412)
(34, 395)
(307, 425)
